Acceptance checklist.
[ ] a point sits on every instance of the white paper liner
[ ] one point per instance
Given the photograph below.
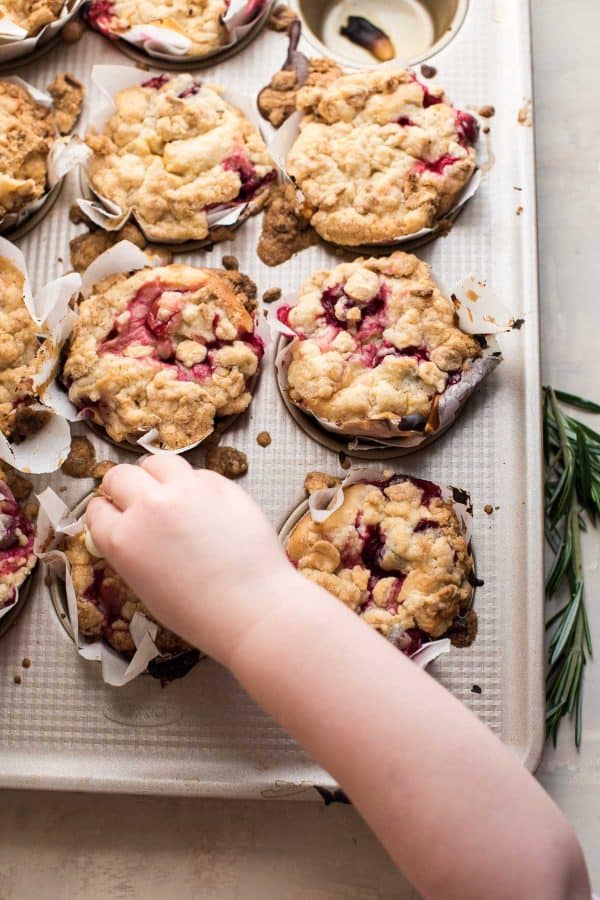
(126, 257)
(54, 521)
(49, 309)
(109, 81)
(285, 137)
(322, 504)
(14, 42)
(167, 44)
(66, 153)
(479, 312)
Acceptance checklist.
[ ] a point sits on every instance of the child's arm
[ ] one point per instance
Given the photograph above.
(451, 804)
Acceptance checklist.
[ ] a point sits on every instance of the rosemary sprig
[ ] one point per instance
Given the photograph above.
(572, 498)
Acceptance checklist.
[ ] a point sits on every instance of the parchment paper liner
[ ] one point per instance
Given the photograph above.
(324, 503)
(168, 45)
(479, 312)
(66, 153)
(126, 257)
(109, 81)
(50, 310)
(284, 138)
(14, 42)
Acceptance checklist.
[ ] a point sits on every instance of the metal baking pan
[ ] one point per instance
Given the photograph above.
(63, 728)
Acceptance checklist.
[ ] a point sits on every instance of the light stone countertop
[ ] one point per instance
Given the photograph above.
(60, 846)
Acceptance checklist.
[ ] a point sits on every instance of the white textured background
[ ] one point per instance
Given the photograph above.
(60, 846)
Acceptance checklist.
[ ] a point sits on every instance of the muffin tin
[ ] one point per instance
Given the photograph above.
(63, 728)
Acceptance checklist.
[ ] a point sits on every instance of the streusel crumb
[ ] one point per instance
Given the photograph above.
(32, 15)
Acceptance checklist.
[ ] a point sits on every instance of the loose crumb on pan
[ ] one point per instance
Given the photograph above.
(486, 130)
(81, 459)
(263, 439)
(476, 689)
(519, 210)
(486, 111)
(277, 100)
(488, 509)
(281, 18)
(464, 630)
(67, 93)
(525, 115)
(316, 481)
(272, 295)
(428, 71)
(87, 247)
(284, 230)
(227, 461)
(17, 679)
(230, 263)
(26, 662)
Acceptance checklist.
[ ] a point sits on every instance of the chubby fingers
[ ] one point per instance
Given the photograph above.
(101, 518)
(165, 468)
(125, 483)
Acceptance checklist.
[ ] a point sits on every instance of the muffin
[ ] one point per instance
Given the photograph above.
(31, 15)
(27, 135)
(201, 21)
(22, 356)
(377, 347)
(379, 156)
(176, 153)
(395, 552)
(17, 536)
(106, 607)
(170, 349)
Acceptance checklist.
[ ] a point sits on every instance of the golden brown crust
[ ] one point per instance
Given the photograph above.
(395, 553)
(32, 15)
(106, 605)
(379, 156)
(67, 94)
(377, 342)
(27, 133)
(171, 348)
(175, 149)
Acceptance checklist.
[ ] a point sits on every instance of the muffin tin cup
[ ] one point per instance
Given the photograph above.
(32, 219)
(478, 312)
(325, 502)
(440, 22)
(116, 669)
(179, 63)
(24, 50)
(125, 257)
(109, 81)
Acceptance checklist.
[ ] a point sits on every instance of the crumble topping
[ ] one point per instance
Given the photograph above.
(277, 101)
(172, 348)
(67, 93)
(285, 231)
(32, 15)
(173, 152)
(198, 20)
(377, 344)
(379, 156)
(395, 554)
(17, 535)
(27, 133)
(106, 605)
(21, 356)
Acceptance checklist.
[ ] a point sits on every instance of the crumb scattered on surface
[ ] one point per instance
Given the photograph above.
(519, 210)
(272, 295)
(72, 31)
(277, 101)
(26, 662)
(487, 111)
(476, 689)
(486, 130)
(345, 463)
(17, 679)
(76, 216)
(464, 630)
(85, 248)
(281, 18)
(316, 481)
(525, 115)
(488, 509)
(230, 263)
(263, 439)
(428, 71)
(227, 461)
(20, 486)
(81, 459)
(67, 93)
(284, 230)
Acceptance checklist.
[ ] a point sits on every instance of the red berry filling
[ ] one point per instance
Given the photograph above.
(191, 91)
(13, 523)
(157, 81)
(467, 128)
(105, 593)
(405, 121)
(101, 16)
(436, 166)
(251, 183)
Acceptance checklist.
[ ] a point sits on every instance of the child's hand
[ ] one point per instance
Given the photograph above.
(194, 547)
